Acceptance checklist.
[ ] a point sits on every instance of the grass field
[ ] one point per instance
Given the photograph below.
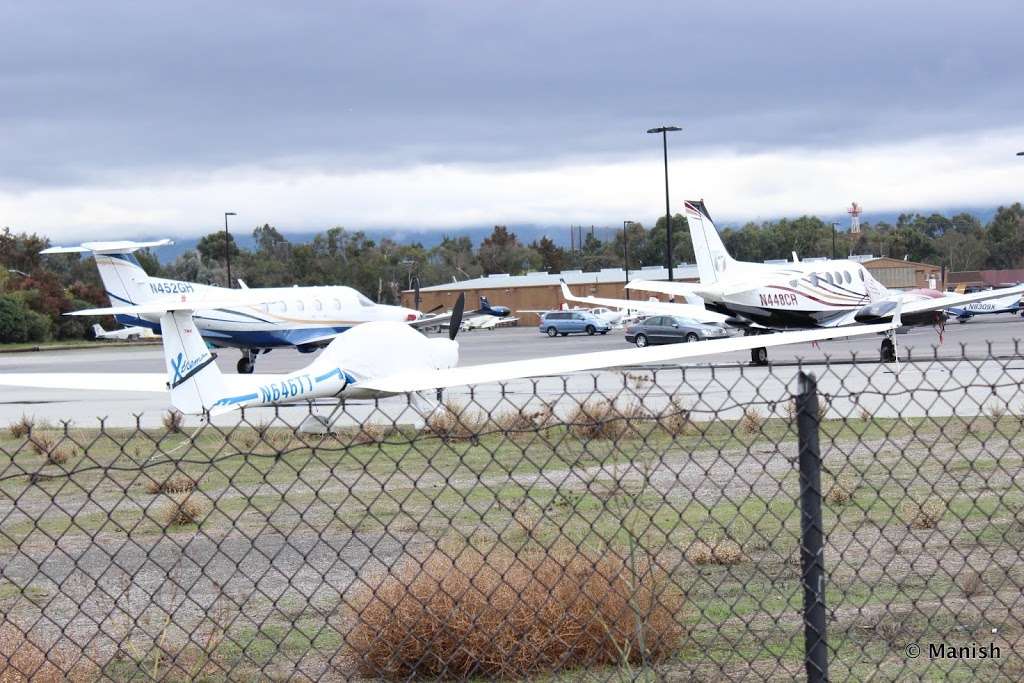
(239, 555)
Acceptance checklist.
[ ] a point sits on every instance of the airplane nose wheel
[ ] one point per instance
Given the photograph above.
(247, 363)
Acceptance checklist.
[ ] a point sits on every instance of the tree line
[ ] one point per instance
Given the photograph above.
(36, 290)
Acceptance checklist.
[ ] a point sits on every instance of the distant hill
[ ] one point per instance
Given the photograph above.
(527, 233)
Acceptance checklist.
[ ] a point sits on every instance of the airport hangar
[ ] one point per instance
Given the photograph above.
(540, 291)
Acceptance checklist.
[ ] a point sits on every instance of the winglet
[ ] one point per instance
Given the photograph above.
(796, 259)
(566, 293)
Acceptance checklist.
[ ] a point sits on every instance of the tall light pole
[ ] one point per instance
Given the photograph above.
(227, 244)
(665, 130)
(625, 251)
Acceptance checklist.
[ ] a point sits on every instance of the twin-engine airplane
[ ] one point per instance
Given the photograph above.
(373, 360)
(303, 318)
(1003, 304)
(802, 295)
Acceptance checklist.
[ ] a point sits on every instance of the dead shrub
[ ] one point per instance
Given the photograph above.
(58, 455)
(451, 421)
(173, 421)
(181, 510)
(21, 427)
(823, 405)
(996, 411)
(752, 421)
(500, 615)
(865, 414)
(179, 483)
(923, 515)
(715, 550)
(604, 420)
(22, 660)
(43, 443)
(367, 432)
(842, 490)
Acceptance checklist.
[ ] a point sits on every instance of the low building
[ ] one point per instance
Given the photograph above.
(540, 291)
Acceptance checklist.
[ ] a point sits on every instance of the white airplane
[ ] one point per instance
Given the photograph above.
(373, 360)
(125, 333)
(802, 295)
(694, 312)
(487, 317)
(303, 318)
(1004, 304)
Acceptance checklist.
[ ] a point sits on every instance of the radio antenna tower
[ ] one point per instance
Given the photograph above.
(854, 212)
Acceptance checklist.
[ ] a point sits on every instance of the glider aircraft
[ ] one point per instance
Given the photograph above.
(372, 360)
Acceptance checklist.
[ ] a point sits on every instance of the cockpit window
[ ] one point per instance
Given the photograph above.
(814, 279)
(363, 301)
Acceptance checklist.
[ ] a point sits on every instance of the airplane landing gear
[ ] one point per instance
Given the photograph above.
(888, 352)
(759, 356)
(247, 363)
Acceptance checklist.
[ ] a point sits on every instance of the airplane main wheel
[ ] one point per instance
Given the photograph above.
(245, 366)
(759, 356)
(552, 332)
(591, 330)
(888, 351)
(641, 340)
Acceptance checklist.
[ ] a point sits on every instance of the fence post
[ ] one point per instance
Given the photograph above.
(812, 559)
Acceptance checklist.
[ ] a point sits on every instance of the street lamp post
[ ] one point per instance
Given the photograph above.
(625, 251)
(665, 130)
(227, 245)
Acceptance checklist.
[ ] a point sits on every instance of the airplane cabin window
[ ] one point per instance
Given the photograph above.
(848, 277)
(814, 279)
(280, 307)
(317, 306)
(337, 304)
(828, 278)
(862, 276)
(299, 306)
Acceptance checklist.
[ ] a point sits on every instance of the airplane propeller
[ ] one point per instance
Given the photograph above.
(456, 321)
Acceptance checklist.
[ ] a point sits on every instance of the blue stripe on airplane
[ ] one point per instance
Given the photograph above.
(268, 339)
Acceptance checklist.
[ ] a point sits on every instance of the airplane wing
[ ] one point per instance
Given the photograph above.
(683, 289)
(105, 381)
(558, 365)
(655, 307)
(953, 300)
(101, 247)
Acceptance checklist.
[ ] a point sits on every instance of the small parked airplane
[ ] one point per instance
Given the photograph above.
(802, 295)
(303, 318)
(125, 333)
(487, 317)
(698, 313)
(373, 360)
(1005, 304)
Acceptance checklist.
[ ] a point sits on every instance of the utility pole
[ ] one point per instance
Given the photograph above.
(665, 130)
(625, 251)
(227, 244)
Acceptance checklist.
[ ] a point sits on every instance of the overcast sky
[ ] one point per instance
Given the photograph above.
(121, 119)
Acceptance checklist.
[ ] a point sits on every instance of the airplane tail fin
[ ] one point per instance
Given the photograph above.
(193, 377)
(124, 279)
(98, 331)
(713, 261)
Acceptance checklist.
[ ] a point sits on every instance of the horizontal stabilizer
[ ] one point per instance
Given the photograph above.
(671, 288)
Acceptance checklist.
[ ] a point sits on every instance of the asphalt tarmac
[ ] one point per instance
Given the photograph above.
(976, 340)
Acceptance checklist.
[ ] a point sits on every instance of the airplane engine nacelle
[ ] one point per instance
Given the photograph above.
(882, 312)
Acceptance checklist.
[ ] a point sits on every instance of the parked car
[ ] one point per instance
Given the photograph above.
(572, 322)
(669, 329)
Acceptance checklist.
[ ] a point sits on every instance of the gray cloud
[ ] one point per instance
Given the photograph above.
(97, 93)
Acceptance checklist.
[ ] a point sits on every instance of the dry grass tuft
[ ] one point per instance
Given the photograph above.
(842, 490)
(21, 427)
(365, 433)
(604, 420)
(675, 419)
(59, 455)
(43, 443)
(752, 421)
(181, 510)
(506, 615)
(173, 421)
(716, 550)
(865, 414)
(923, 515)
(996, 411)
(179, 483)
(452, 421)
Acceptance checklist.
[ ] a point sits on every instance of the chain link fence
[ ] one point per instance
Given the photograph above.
(661, 523)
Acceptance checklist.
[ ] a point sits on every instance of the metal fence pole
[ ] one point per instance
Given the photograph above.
(812, 560)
